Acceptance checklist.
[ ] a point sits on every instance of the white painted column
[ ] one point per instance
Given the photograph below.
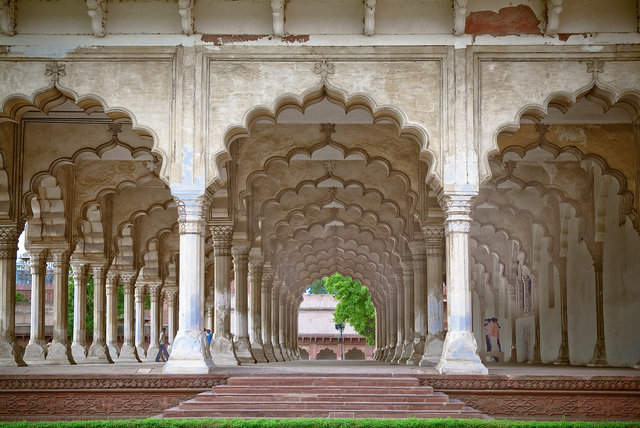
(599, 357)
(399, 320)
(128, 351)
(36, 350)
(255, 309)
(139, 322)
(563, 351)
(460, 351)
(60, 352)
(241, 344)
(113, 279)
(170, 297)
(407, 279)
(10, 352)
(282, 323)
(393, 326)
(154, 326)
(419, 259)
(79, 344)
(222, 350)
(265, 304)
(275, 320)
(98, 351)
(434, 235)
(190, 351)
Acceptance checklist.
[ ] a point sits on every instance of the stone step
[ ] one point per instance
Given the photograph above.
(319, 405)
(281, 389)
(466, 413)
(321, 396)
(323, 381)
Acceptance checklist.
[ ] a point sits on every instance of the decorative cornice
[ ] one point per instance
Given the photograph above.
(625, 383)
(221, 233)
(10, 382)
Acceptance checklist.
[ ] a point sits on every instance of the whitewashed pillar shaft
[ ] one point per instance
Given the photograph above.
(36, 349)
(434, 235)
(79, 344)
(10, 354)
(139, 319)
(98, 351)
(60, 352)
(128, 351)
(112, 313)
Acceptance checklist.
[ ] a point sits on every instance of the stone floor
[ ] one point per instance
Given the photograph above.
(321, 367)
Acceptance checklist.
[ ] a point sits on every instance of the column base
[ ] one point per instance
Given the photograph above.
(432, 350)
(78, 352)
(114, 352)
(599, 358)
(11, 355)
(35, 353)
(243, 350)
(460, 355)
(152, 353)
(142, 352)
(383, 353)
(398, 354)
(128, 354)
(98, 354)
(277, 352)
(257, 349)
(389, 356)
(189, 354)
(563, 355)
(407, 349)
(268, 352)
(417, 351)
(59, 354)
(222, 351)
(376, 354)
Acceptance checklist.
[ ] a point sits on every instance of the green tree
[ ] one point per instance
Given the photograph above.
(318, 287)
(354, 305)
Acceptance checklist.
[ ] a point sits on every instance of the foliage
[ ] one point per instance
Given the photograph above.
(20, 297)
(318, 423)
(318, 287)
(354, 305)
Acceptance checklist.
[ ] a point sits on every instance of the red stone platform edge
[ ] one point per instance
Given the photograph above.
(587, 398)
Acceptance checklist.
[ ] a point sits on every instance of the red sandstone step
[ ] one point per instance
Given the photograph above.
(323, 381)
(304, 405)
(224, 397)
(369, 413)
(422, 390)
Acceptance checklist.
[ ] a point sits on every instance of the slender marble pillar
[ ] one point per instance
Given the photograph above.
(400, 321)
(10, 352)
(255, 278)
(79, 344)
(139, 323)
(460, 351)
(265, 304)
(222, 349)
(282, 322)
(599, 350)
(393, 326)
(563, 351)
(241, 344)
(407, 277)
(170, 297)
(419, 259)
(36, 350)
(434, 235)
(275, 321)
(113, 279)
(390, 308)
(154, 323)
(98, 351)
(128, 351)
(60, 350)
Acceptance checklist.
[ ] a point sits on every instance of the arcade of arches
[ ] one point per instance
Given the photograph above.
(511, 174)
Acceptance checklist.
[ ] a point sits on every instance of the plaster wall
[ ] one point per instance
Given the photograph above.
(525, 339)
(233, 17)
(127, 17)
(52, 17)
(591, 16)
(414, 17)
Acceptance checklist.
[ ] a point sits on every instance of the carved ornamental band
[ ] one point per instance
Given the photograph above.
(196, 227)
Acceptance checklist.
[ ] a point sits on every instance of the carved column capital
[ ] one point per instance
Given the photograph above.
(59, 257)
(38, 258)
(171, 296)
(222, 236)
(458, 210)
(99, 269)
(434, 235)
(154, 290)
(192, 211)
(9, 241)
(139, 291)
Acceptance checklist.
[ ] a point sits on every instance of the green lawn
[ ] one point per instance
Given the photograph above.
(319, 423)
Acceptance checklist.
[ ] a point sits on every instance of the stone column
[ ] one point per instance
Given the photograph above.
(460, 351)
(281, 325)
(265, 304)
(513, 313)
(10, 352)
(241, 343)
(209, 312)
(381, 332)
(113, 279)
(407, 277)
(419, 259)
(154, 331)
(275, 321)
(139, 323)
(79, 344)
(170, 297)
(222, 349)
(599, 350)
(60, 351)
(128, 351)
(563, 351)
(393, 326)
(255, 277)
(36, 350)
(434, 235)
(98, 351)
(390, 307)
(400, 322)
